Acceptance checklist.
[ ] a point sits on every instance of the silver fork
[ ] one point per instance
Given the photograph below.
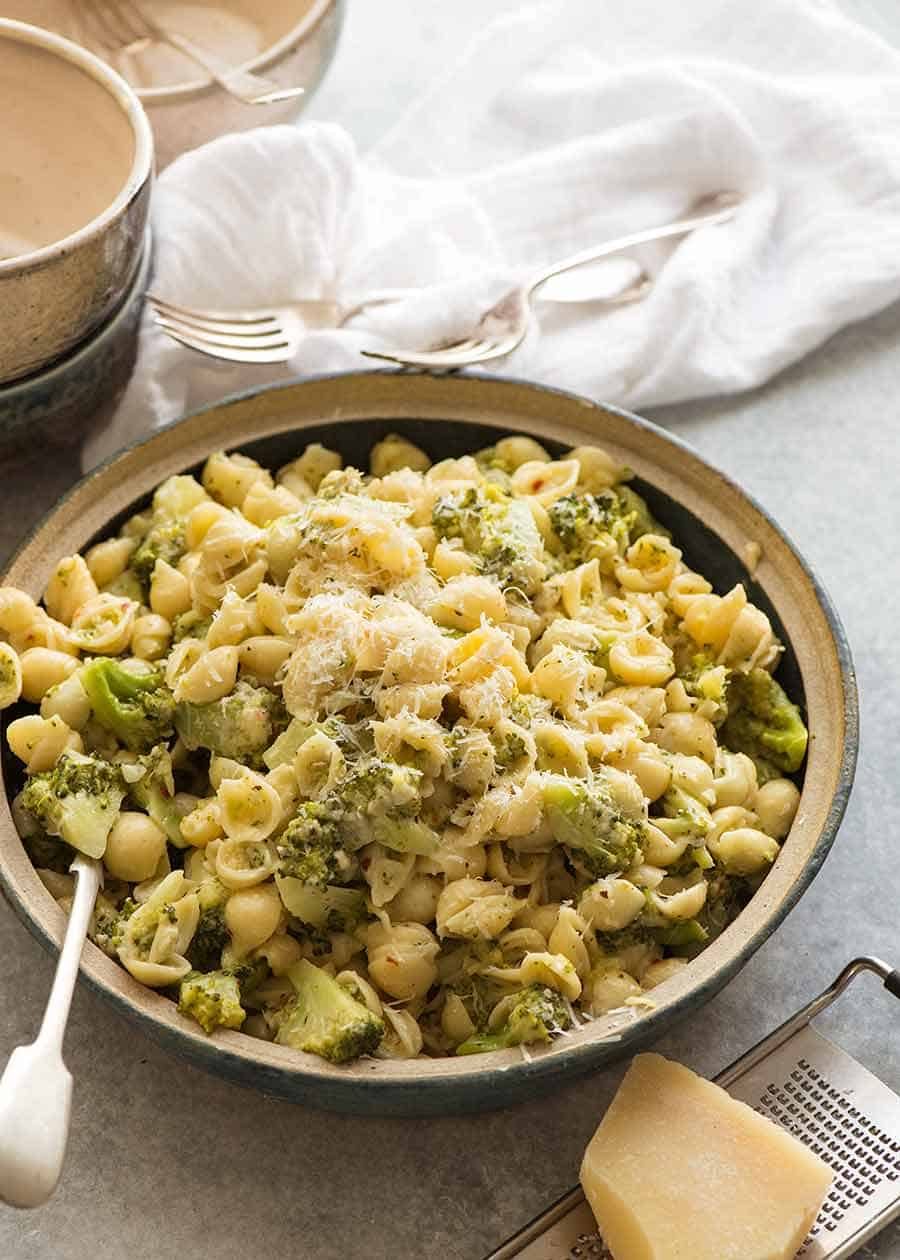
(256, 335)
(121, 26)
(274, 334)
(503, 327)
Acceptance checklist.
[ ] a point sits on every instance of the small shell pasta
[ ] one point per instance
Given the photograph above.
(249, 807)
(69, 588)
(210, 677)
(150, 637)
(10, 676)
(453, 737)
(40, 742)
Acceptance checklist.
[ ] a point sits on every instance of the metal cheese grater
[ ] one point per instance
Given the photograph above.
(812, 1088)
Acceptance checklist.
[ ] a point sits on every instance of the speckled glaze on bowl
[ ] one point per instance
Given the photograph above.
(712, 519)
(193, 113)
(53, 298)
(59, 403)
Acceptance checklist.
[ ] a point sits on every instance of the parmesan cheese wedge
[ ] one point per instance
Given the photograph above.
(679, 1170)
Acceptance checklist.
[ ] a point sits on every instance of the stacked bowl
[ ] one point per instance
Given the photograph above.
(76, 169)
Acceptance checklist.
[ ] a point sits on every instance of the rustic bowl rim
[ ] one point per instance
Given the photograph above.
(269, 56)
(79, 355)
(127, 99)
(440, 1085)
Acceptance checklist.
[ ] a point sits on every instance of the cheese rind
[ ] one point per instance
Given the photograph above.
(679, 1170)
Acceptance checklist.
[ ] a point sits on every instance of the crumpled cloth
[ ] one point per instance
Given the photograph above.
(565, 124)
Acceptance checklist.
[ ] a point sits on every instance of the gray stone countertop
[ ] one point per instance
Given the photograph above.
(167, 1162)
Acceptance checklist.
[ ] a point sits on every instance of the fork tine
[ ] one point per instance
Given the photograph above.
(241, 341)
(279, 355)
(232, 318)
(200, 324)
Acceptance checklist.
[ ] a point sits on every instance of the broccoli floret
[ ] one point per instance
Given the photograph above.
(581, 521)
(213, 999)
(589, 524)
(212, 935)
(154, 792)
(136, 706)
(108, 923)
(764, 723)
(509, 749)
(323, 1018)
(538, 1015)
(240, 725)
(190, 623)
(497, 530)
(587, 818)
(704, 680)
(79, 800)
(376, 785)
(163, 541)
(309, 848)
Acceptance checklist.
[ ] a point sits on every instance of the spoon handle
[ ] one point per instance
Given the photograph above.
(717, 209)
(36, 1087)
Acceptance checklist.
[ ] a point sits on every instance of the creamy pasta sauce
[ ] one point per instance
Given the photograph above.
(66, 148)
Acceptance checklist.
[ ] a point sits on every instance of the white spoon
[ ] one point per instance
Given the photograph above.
(36, 1087)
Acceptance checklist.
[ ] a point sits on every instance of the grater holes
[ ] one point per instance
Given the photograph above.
(861, 1154)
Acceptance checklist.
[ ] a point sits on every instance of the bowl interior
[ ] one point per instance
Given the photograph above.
(712, 521)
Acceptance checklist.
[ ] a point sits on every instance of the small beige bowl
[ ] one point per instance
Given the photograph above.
(77, 155)
(300, 40)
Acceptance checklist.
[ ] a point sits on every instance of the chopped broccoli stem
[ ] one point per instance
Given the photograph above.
(331, 908)
(212, 999)
(764, 723)
(79, 800)
(537, 1016)
(689, 932)
(136, 707)
(287, 744)
(586, 818)
(323, 1018)
(240, 725)
(689, 817)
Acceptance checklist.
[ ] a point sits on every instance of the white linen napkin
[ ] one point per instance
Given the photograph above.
(563, 125)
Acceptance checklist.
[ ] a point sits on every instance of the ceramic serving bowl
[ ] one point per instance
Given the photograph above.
(298, 41)
(55, 404)
(76, 167)
(291, 42)
(713, 521)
